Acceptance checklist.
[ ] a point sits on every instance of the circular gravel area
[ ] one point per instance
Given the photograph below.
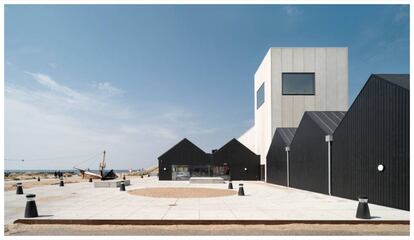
(172, 192)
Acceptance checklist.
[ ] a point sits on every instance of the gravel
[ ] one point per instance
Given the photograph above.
(172, 192)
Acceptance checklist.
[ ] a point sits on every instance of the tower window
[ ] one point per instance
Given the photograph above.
(260, 96)
(298, 83)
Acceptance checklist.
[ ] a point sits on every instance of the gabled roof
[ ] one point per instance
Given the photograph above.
(328, 121)
(183, 143)
(286, 134)
(402, 80)
(233, 142)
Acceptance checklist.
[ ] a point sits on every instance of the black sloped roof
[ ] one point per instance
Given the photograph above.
(185, 143)
(286, 134)
(328, 121)
(232, 143)
(402, 80)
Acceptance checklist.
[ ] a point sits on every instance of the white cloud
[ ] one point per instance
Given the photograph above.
(53, 119)
(292, 10)
(63, 98)
(46, 81)
(107, 88)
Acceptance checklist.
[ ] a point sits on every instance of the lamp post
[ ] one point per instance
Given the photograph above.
(329, 139)
(287, 149)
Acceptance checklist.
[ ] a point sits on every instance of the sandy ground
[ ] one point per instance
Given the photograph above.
(287, 229)
(11, 185)
(172, 192)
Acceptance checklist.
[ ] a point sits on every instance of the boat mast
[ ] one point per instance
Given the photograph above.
(102, 165)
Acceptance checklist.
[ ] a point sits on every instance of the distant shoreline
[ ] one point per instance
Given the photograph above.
(62, 170)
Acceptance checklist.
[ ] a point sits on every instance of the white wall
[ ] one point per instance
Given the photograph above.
(330, 66)
(262, 116)
(248, 139)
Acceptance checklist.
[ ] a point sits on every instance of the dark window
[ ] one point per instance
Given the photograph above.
(298, 83)
(260, 96)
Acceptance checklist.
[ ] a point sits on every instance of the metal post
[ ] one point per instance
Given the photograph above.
(363, 209)
(241, 190)
(287, 149)
(230, 185)
(329, 139)
(122, 186)
(329, 168)
(31, 209)
(19, 188)
(61, 184)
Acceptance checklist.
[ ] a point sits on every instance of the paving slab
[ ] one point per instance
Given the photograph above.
(262, 202)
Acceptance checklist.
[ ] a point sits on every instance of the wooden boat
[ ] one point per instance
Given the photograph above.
(87, 174)
(103, 175)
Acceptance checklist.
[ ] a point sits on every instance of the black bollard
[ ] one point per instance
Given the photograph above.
(123, 177)
(363, 209)
(230, 185)
(122, 187)
(149, 175)
(38, 179)
(241, 190)
(31, 209)
(90, 179)
(19, 188)
(142, 176)
(61, 182)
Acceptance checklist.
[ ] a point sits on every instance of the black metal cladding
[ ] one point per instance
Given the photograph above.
(233, 154)
(244, 164)
(276, 156)
(375, 131)
(308, 159)
(183, 153)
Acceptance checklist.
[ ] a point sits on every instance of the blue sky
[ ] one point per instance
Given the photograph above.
(135, 79)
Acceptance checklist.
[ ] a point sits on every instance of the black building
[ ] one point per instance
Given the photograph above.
(371, 145)
(185, 160)
(184, 153)
(277, 156)
(242, 162)
(309, 151)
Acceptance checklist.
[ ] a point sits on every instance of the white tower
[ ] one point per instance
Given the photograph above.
(290, 81)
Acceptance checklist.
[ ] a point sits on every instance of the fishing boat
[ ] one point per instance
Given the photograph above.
(103, 175)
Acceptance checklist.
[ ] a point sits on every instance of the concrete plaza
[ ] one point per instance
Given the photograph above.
(262, 202)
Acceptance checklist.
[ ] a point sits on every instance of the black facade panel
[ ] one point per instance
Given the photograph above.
(276, 158)
(374, 131)
(276, 161)
(244, 164)
(308, 159)
(183, 153)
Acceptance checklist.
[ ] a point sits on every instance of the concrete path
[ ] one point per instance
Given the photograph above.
(262, 201)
